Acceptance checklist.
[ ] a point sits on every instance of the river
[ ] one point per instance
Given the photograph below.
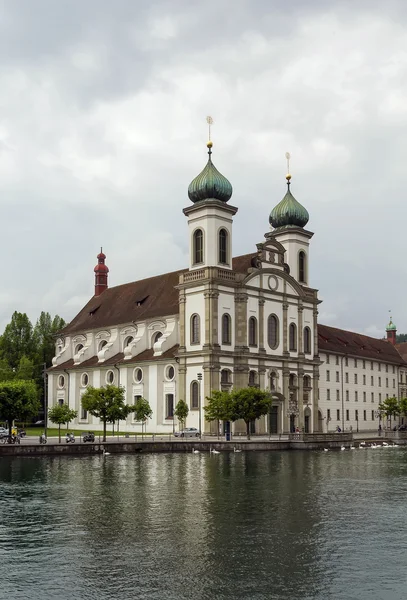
(306, 525)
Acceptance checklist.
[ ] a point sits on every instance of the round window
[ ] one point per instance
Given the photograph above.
(138, 375)
(85, 379)
(110, 377)
(170, 373)
(61, 381)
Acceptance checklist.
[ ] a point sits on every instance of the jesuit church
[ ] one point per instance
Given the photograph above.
(226, 322)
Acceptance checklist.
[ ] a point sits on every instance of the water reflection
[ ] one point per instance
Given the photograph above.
(249, 525)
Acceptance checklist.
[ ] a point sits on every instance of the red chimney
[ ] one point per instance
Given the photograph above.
(101, 272)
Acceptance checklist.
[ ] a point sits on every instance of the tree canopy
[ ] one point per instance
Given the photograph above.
(248, 404)
(60, 414)
(18, 401)
(106, 403)
(181, 412)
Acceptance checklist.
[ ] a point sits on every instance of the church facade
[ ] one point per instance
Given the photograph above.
(222, 323)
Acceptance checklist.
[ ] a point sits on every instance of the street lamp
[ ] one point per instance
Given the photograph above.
(199, 403)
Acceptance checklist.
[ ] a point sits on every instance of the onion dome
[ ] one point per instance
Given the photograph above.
(391, 326)
(210, 183)
(101, 267)
(289, 212)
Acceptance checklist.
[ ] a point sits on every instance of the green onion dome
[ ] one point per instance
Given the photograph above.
(289, 212)
(210, 183)
(391, 326)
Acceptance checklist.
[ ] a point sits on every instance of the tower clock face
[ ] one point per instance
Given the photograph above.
(273, 282)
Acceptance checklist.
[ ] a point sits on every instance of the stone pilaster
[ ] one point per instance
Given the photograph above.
(182, 377)
(315, 315)
(315, 388)
(285, 326)
(300, 329)
(261, 325)
(286, 393)
(301, 399)
(240, 320)
(182, 301)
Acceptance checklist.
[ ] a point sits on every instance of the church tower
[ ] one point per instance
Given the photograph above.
(210, 218)
(101, 273)
(391, 331)
(288, 220)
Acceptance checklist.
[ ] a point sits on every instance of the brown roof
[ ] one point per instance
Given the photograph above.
(331, 339)
(146, 355)
(402, 349)
(144, 299)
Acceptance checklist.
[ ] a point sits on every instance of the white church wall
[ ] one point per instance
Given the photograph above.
(195, 304)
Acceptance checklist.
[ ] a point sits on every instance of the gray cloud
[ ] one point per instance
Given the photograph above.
(102, 128)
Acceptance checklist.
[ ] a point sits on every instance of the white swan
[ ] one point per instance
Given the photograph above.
(105, 453)
(326, 449)
(235, 450)
(214, 451)
(362, 443)
(385, 445)
(195, 451)
(343, 448)
(373, 445)
(352, 448)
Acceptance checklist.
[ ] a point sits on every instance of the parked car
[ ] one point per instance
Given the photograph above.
(188, 432)
(3, 432)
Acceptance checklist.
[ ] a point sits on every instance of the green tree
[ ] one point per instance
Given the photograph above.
(403, 407)
(219, 407)
(60, 414)
(106, 403)
(18, 401)
(390, 407)
(17, 340)
(181, 412)
(250, 404)
(142, 411)
(44, 336)
(6, 372)
(25, 369)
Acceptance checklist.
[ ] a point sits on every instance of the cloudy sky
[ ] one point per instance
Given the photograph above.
(102, 127)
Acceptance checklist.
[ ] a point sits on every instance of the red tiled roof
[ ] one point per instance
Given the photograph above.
(332, 339)
(144, 299)
(402, 349)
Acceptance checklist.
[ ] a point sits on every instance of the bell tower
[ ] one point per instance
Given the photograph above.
(210, 218)
(101, 273)
(391, 331)
(287, 221)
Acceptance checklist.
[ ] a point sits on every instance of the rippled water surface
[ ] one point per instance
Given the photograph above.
(251, 525)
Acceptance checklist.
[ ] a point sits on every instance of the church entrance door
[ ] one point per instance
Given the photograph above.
(306, 424)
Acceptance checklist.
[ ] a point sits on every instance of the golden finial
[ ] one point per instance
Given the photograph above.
(209, 120)
(288, 156)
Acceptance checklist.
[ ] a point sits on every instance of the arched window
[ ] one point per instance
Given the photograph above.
(225, 376)
(198, 254)
(302, 267)
(194, 395)
(252, 377)
(307, 340)
(226, 329)
(195, 329)
(223, 247)
(273, 332)
(78, 348)
(293, 337)
(307, 382)
(252, 331)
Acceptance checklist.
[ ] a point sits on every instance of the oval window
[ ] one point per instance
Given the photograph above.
(170, 373)
(85, 379)
(61, 381)
(110, 377)
(138, 375)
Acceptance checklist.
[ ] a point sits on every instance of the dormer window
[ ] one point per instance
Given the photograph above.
(78, 348)
(156, 337)
(102, 344)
